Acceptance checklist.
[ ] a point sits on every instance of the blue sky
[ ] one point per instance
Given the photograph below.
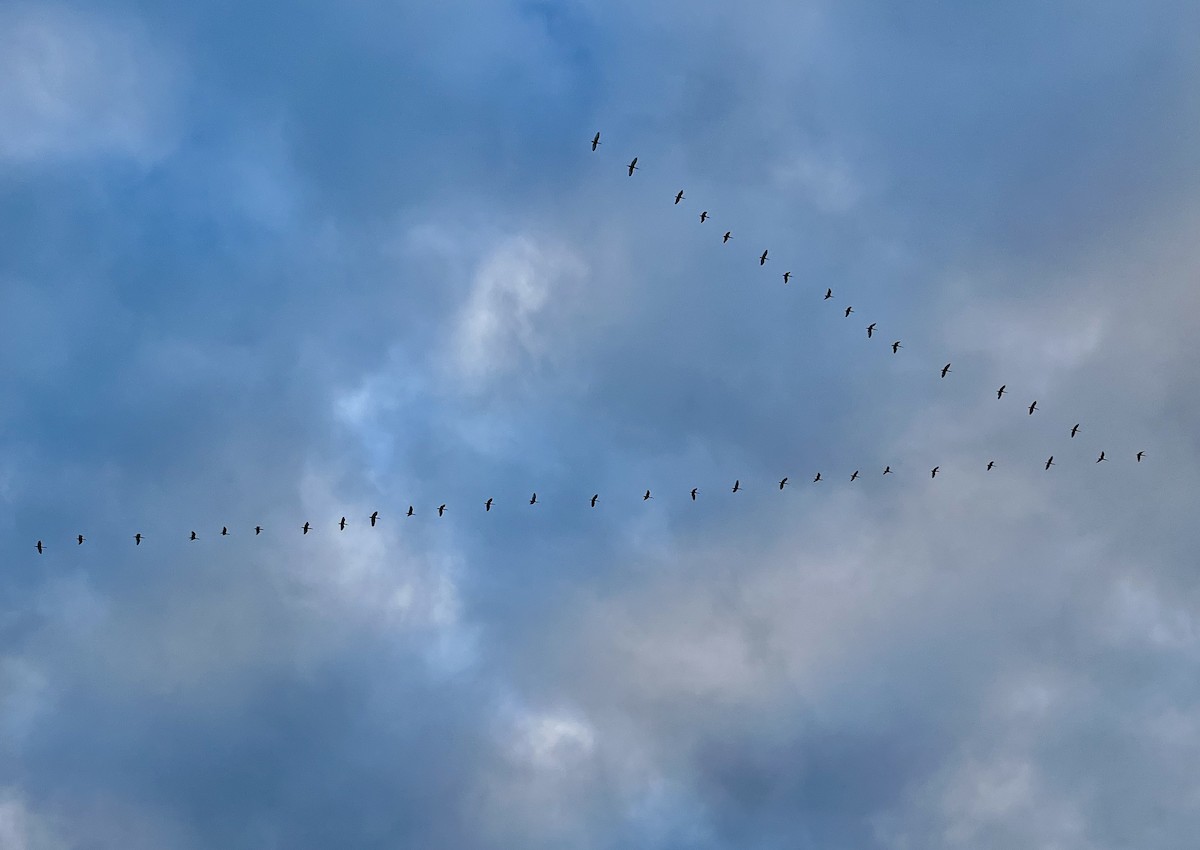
(268, 264)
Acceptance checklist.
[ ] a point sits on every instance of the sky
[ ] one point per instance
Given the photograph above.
(268, 264)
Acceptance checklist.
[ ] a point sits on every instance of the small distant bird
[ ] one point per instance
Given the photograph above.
(1050, 462)
(80, 539)
(595, 496)
(787, 276)
(193, 537)
(991, 463)
(632, 166)
(1000, 391)
(1075, 430)
(1032, 408)
(694, 491)
(854, 475)
(828, 294)
(870, 330)
(342, 524)
(533, 499)
(762, 261)
(818, 478)
(896, 346)
(306, 528)
(887, 470)
(224, 531)
(257, 530)
(647, 496)
(373, 517)
(596, 140)
(728, 235)
(1102, 457)
(487, 506)
(849, 310)
(137, 539)
(410, 511)
(945, 370)
(39, 547)
(679, 196)
(441, 509)
(783, 482)
(1139, 456)
(737, 485)
(703, 216)
(933, 472)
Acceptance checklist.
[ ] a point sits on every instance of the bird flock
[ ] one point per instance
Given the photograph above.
(487, 505)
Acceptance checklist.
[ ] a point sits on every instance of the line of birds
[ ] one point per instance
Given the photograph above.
(40, 546)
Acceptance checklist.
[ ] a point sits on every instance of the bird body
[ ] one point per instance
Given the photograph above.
(441, 509)
(306, 528)
(533, 499)
(679, 196)
(137, 539)
(373, 517)
(762, 261)
(854, 475)
(1102, 457)
(828, 294)
(933, 472)
(647, 496)
(40, 548)
(1075, 430)
(1050, 462)
(817, 478)
(896, 346)
(1001, 391)
(1139, 456)
(737, 485)
(257, 530)
(870, 330)
(991, 463)
(694, 491)
(633, 166)
(487, 506)
(193, 537)
(410, 511)
(703, 216)
(849, 310)
(787, 276)
(783, 482)
(728, 235)
(945, 370)
(1032, 408)
(342, 524)
(595, 496)
(887, 470)
(80, 539)
(224, 531)
(596, 140)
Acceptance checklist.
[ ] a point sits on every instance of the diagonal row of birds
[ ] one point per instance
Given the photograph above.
(193, 536)
(871, 329)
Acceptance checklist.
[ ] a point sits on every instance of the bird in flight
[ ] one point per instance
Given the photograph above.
(991, 463)
(533, 499)
(787, 276)
(80, 539)
(1102, 457)
(870, 330)
(647, 496)
(306, 528)
(933, 472)
(1075, 430)
(410, 511)
(137, 539)
(633, 166)
(373, 517)
(1050, 462)
(887, 470)
(595, 496)
(945, 370)
(828, 294)
(703, 216)
(441, 509)
(694, 491)
(1139, 456)
(39, 547)
(224, 531)
(762, 261)
(783, 482)
(1032, 408)
(342, 524)
(1000, 391)
(193, 537)
(257, 530)
(737, 485)
(487, 506)
(679, 196)
(596, 140)
(896, 346)
(849, 310)
(818, 478)
(728, 235)
(854, 475)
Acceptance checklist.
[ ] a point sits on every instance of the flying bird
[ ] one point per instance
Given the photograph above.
(257, 530)
(1000, 391)
(945, 370)
(887, 470)
(679, 196)
(1075, 430)
(818, 478)
(728, 235)
(441, 509)
(306, 528)
(596, 140)
(849, 310)
(703, 216)
(80, 539)
(828, 294)
(991, 463)
(595, 496)
(1032, 408)
(373, 517)
(193, 537)
(632, 166)
(487, 506)
(870, 330)
(762, 261)
(854, 475)
(342, 524)
(694, 491)
(783, 482)
(647, 496)
(533, 499)
(896, 346)
(1102, 457)
(787, 276)
(410, 511)
(737, 485)
(1050, 462)
(1139, 456)
(224, 531)
(137, 539)
(39, 547)
(933, 472)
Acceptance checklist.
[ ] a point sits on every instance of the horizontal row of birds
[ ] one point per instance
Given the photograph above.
(487, 506)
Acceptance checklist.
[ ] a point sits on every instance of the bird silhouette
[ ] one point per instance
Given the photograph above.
(945, 370)
(410, 511)
(224, 531)
(1001, 391)
(342, 524)
(933, 472)
(991, 463)
(703, 216)
(870, 330)
(728, 235)
(1102, 457)
(487, 506)
(828, 294)
(1032, 408)
(787, 276)
(817, 478)
(596, 140)
(533, 499)
(39, 547)
(306, 528)
(647, 496)
(887, 470)
(679, 196)
(595, 496)
(633, 166)
(257, 530)
(694, 491)
(1139, 456)
(849, 310)
(1074, 430)
(762, 261)
(737, 485)
(80, 539)
(783, 482)
(193, 537)
(137, 539)
(1050, 462)
(896, 346)
(373, 517)
(854, 475)
(441, 509)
